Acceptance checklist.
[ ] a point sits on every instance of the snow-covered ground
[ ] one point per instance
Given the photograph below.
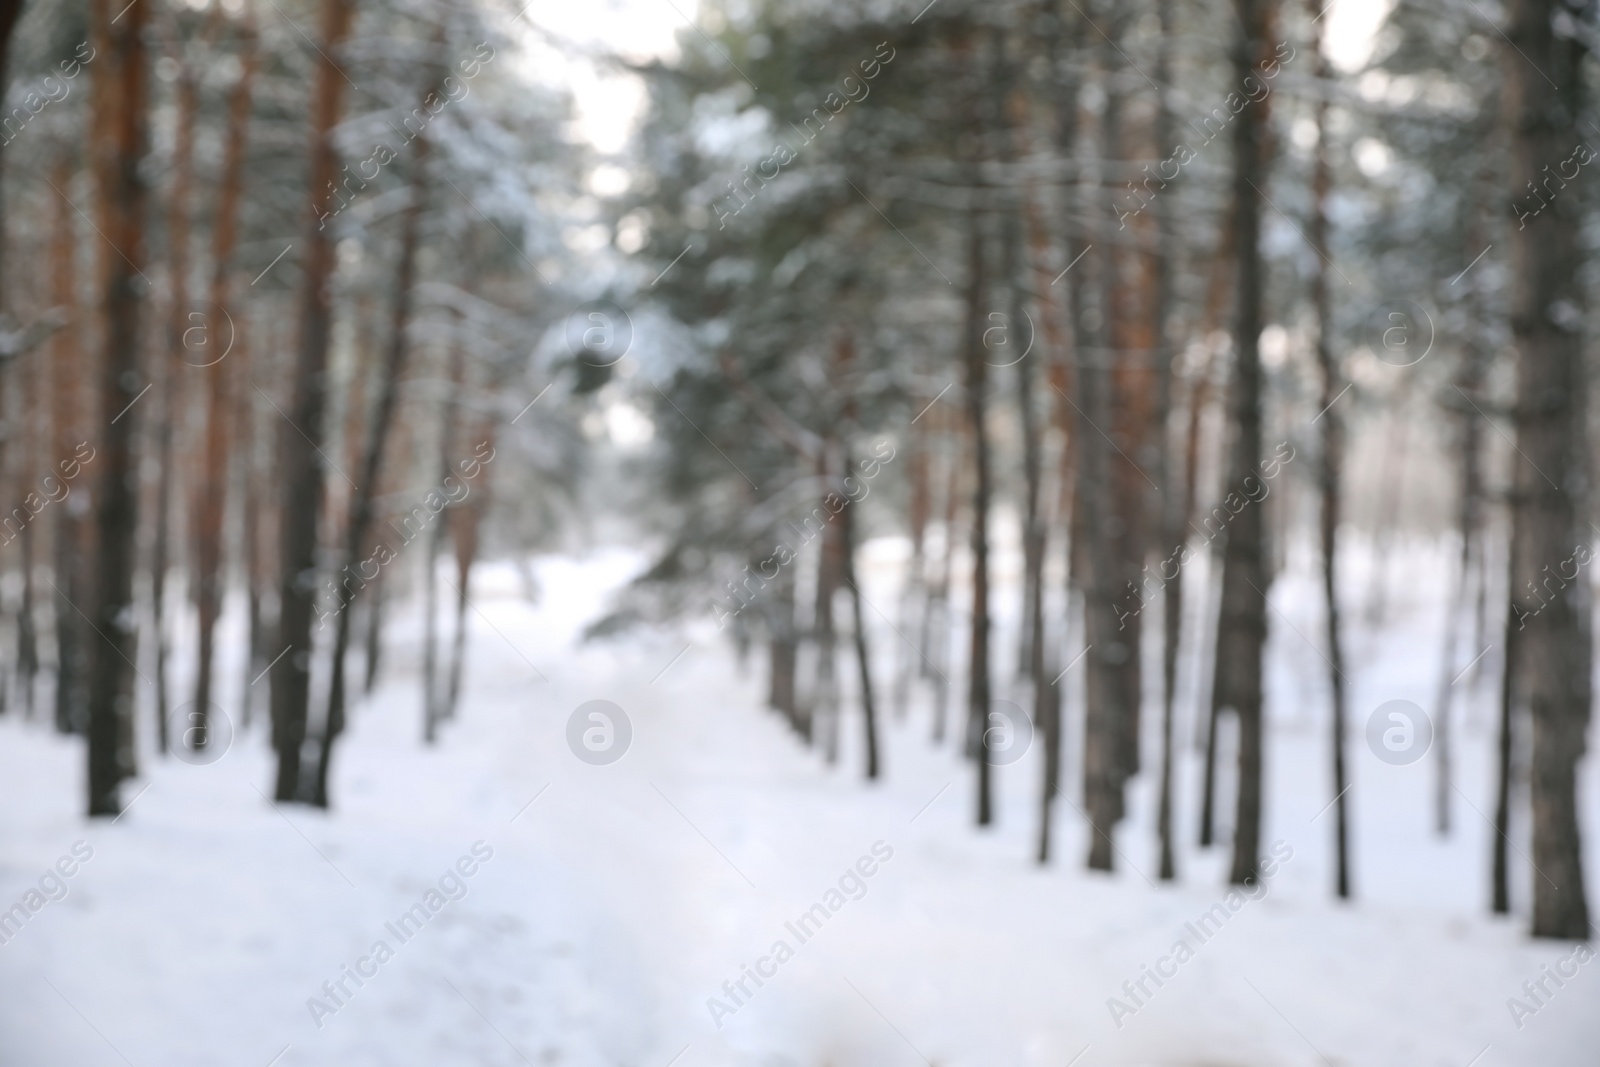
(616, 901)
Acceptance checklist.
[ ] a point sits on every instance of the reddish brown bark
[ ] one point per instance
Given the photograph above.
(221, 331)
(301, 463)
(122, 206)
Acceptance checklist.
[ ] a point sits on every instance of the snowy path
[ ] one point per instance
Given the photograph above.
(625, 896)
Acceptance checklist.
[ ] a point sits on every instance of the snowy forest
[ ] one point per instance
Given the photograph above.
(516, 521)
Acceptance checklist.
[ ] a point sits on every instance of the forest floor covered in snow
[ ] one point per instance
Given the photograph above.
(606, 906)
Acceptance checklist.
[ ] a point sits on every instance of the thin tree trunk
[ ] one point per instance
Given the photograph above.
(1509, 682)
(110, 750)
(1128, 309)
(1210, 592)
(361, 511)
(173, 393)
(161, 552)
(1332, 457)
(1206, 740)
(251, 490)
(1217, 297)
(1242, 629)
(1107, 714)
(27, 643)
(1066, 348)
(1444, 772)
(976, 384)
(221, 330)
(1544, 97)
(869, 718)
(1047, 697)
(67, 400)
(301, 464)
(1470, 521)
(825, 701)
(458, 648)
(1175, 533)
(430, 633)
(32, 391)
(27, 635)
(1012, 106)
(1035, 543)
(938, 643)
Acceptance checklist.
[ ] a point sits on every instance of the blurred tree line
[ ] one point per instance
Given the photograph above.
(1150, 290)
(1146, 289)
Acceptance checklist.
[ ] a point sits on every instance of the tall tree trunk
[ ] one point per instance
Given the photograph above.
(1174, 531)
(938, 611)
(1242, 628)
(251, 492)
(27, 646)
(1065, 349)
(1129, 310)
(1107, 711)
(362, 509)
(430, 631)
(1332, 457)
(111, 753)
(1218, 294)
(301, 463)
(67, 401)
(1470, 520)
(1206, 740)
(1011, 106)
(1046, 706)
(218, 432)
(1544, 99)
(1047, 698)
(824, 713)
(27, 634)
(174, 395)
(976, 384)
(1509, 683)
(169, 413)
(32, 390)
